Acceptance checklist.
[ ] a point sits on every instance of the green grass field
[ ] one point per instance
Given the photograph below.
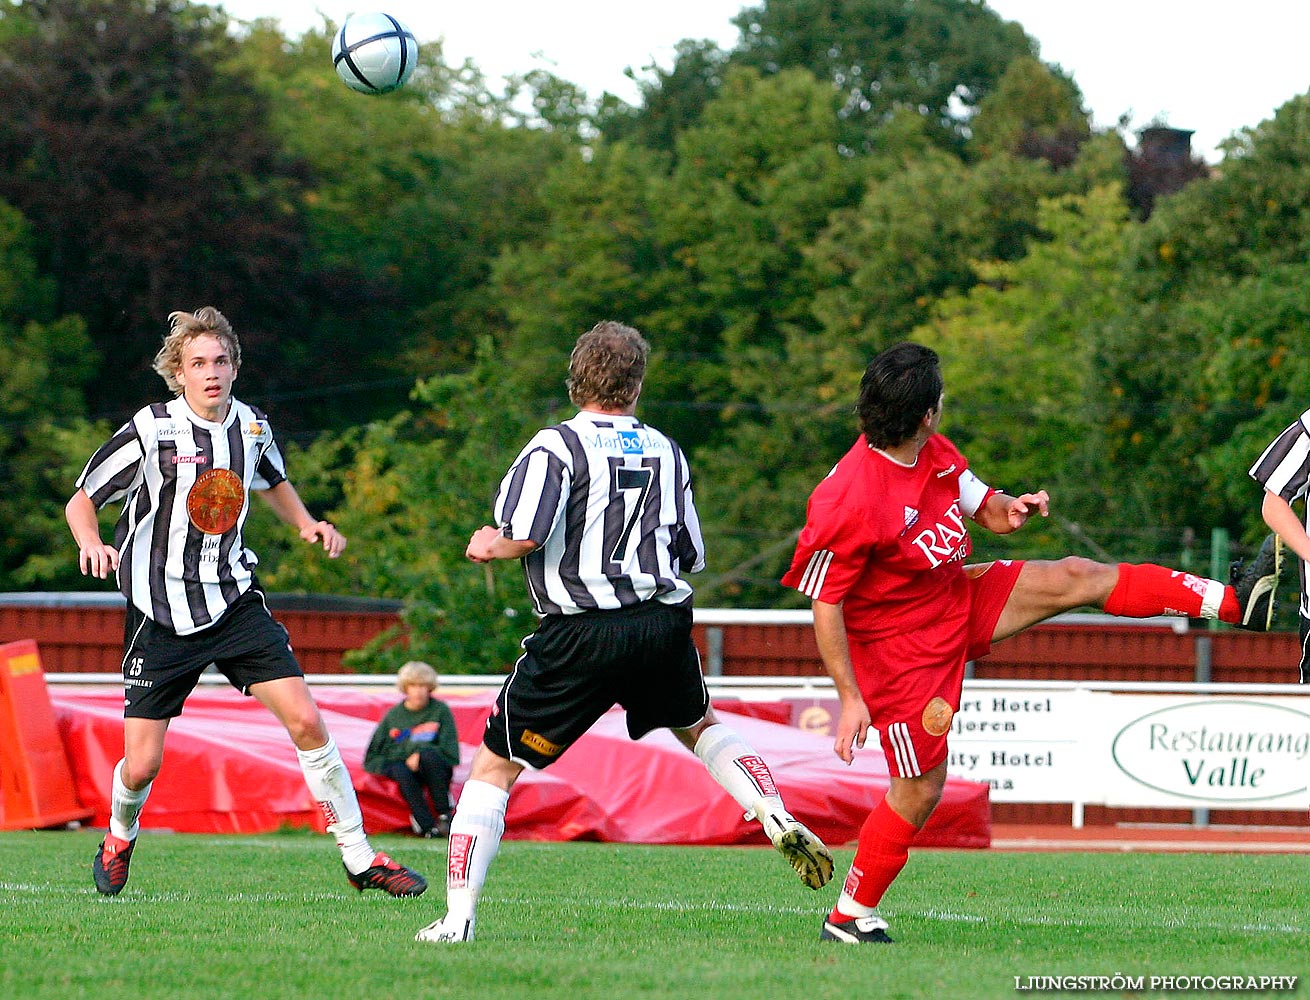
(273, 917)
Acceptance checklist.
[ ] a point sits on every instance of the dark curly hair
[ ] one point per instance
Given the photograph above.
(900, 385)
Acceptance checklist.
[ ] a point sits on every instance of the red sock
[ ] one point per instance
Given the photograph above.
(1145, 589)
(882, 852)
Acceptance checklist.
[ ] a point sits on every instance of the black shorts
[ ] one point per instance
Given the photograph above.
(575, 668)
(160, 667)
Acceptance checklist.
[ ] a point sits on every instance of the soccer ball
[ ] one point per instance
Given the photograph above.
(374, 53)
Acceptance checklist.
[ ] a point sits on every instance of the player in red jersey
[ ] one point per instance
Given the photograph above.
(898, 612)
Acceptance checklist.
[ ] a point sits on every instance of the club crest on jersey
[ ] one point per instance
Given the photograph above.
(255, 428)
(630, 442)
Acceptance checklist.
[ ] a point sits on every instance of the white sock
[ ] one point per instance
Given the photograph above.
(125, 806)
(739, 769)
(329, 782)
(847, 906)
(475, 832)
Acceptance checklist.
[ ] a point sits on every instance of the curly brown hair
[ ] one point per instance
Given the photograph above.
(607, 366)
(185, 327)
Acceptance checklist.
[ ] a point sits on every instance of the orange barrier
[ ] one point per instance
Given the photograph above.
(36, 784)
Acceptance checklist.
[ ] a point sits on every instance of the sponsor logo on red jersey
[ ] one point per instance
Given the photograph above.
(946, 541)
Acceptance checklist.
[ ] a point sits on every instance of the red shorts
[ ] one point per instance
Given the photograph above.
(912, 682)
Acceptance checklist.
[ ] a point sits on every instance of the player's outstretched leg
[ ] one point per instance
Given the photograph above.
(744, 775)
(1256, 585)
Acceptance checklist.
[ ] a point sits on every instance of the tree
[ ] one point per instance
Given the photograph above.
(914, 237)
(937, 58)
(1196, 370)
(409, 200)
(1034, 112)
(600, 256)
(1019, 352)
(147, 174)
(672, 100)
(45, 363)
(408, 492)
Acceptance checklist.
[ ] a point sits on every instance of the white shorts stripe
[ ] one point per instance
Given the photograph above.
(907, 761)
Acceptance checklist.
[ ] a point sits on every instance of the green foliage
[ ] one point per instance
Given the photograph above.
(1034, 111)
(412, 490)
(410, 198)
(148, 175)
(937, 58)
(850, 174)
(671, 100)
(598, 257)
(44, 364)
(915, 236)
(1199, 370)
(1018, 352)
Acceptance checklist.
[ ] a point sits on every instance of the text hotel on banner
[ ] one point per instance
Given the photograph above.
(1027, 745)
(1098, 744)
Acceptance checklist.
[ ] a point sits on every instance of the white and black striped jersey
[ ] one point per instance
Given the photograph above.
(609, 502)
(1284, 469)
(183, 561)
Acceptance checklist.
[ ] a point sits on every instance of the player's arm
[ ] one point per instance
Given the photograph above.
(1002, 513)
(288, 506)
(489, 543)
(94, 557)
(830, 635)
(523, 512)
(1284, 522)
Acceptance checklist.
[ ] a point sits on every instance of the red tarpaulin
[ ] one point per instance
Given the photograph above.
(229, 767)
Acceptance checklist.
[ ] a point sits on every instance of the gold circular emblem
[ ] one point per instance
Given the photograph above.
(937, 716)
(815, 719)
(215, 501)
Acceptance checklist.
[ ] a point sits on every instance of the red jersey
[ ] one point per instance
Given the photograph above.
(889, 542)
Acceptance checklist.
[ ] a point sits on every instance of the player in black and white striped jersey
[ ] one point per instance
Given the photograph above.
(1283, 469)
(600, 510)
(171, 567)
(628, 527)
(183, 470)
